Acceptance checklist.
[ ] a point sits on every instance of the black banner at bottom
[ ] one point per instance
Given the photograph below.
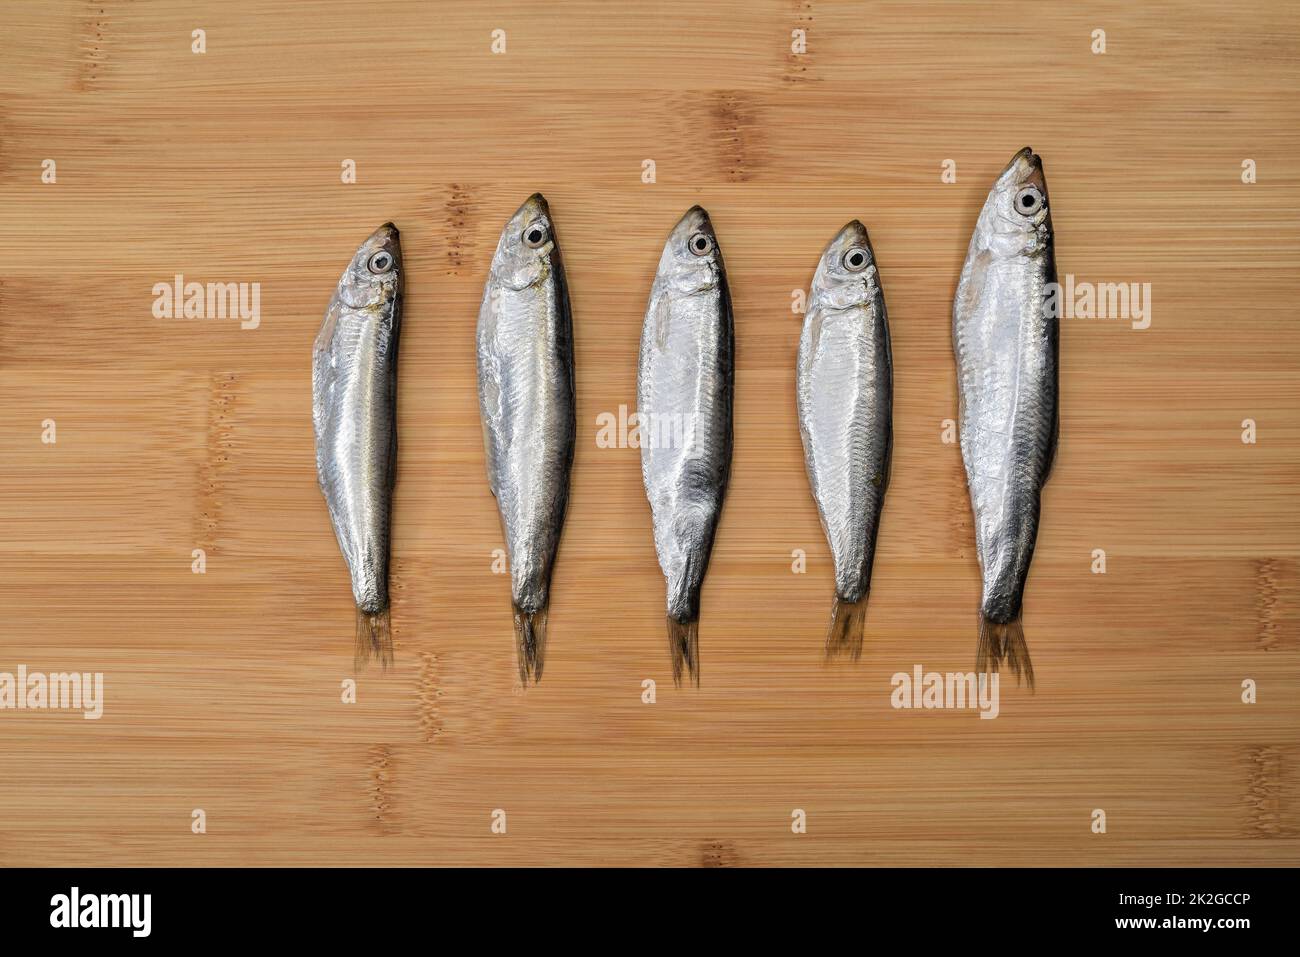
(368, 906)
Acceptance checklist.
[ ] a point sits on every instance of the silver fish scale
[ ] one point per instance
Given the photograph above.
(528, 413)
(684, 397)
(680, 383)
(844, 390)
(354, 408)
(1006, 344)
(526, 398)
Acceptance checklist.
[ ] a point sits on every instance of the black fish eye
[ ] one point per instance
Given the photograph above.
(534, 235)
(1029, 201)
(381, 261)
(856, 259)
(700, 244)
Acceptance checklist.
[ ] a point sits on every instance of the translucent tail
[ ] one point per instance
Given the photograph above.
(530, 643)
(374, 639)
(684, 644)
(844, 637)
(1004, 642)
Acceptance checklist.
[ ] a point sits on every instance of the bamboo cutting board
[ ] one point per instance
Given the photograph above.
(223, 691)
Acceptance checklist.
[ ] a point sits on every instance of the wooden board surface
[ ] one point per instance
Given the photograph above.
(222, 689)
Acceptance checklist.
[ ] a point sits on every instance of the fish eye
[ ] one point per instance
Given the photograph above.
(700, 244)
(535, 235)
(1029, 201)
(381, 261)
(856, 259)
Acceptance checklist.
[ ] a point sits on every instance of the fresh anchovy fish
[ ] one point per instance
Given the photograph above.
(526, 397)
(1005, 335)
(684, 396)
(354, 410)
(845, 388)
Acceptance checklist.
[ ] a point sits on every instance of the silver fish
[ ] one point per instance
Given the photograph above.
(354, 411)
(1005, 334)
(526, 397)
(845, 388)
(684, 397)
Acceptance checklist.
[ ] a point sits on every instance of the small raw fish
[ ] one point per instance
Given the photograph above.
(684, 395)
(526, 397)
(1005, 336)
(845, 387)
(354, 410)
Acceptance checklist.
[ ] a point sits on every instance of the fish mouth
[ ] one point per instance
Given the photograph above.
(694, 220)
(846, 269)
(698, 217)
(1025, 168)
(387, 238)
(532, 207)
(852, 234)
(534, 210)
(1026, 158)
(385, 234)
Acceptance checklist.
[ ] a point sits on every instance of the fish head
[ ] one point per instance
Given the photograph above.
(374, 277)
(691, 260)
(1016, 219)
(527, 248)
(846, 275)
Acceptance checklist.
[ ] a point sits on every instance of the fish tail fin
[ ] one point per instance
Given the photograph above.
(844, 636)
(684, 645)
(530, 643)
(1004, 642)
(374, 639)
